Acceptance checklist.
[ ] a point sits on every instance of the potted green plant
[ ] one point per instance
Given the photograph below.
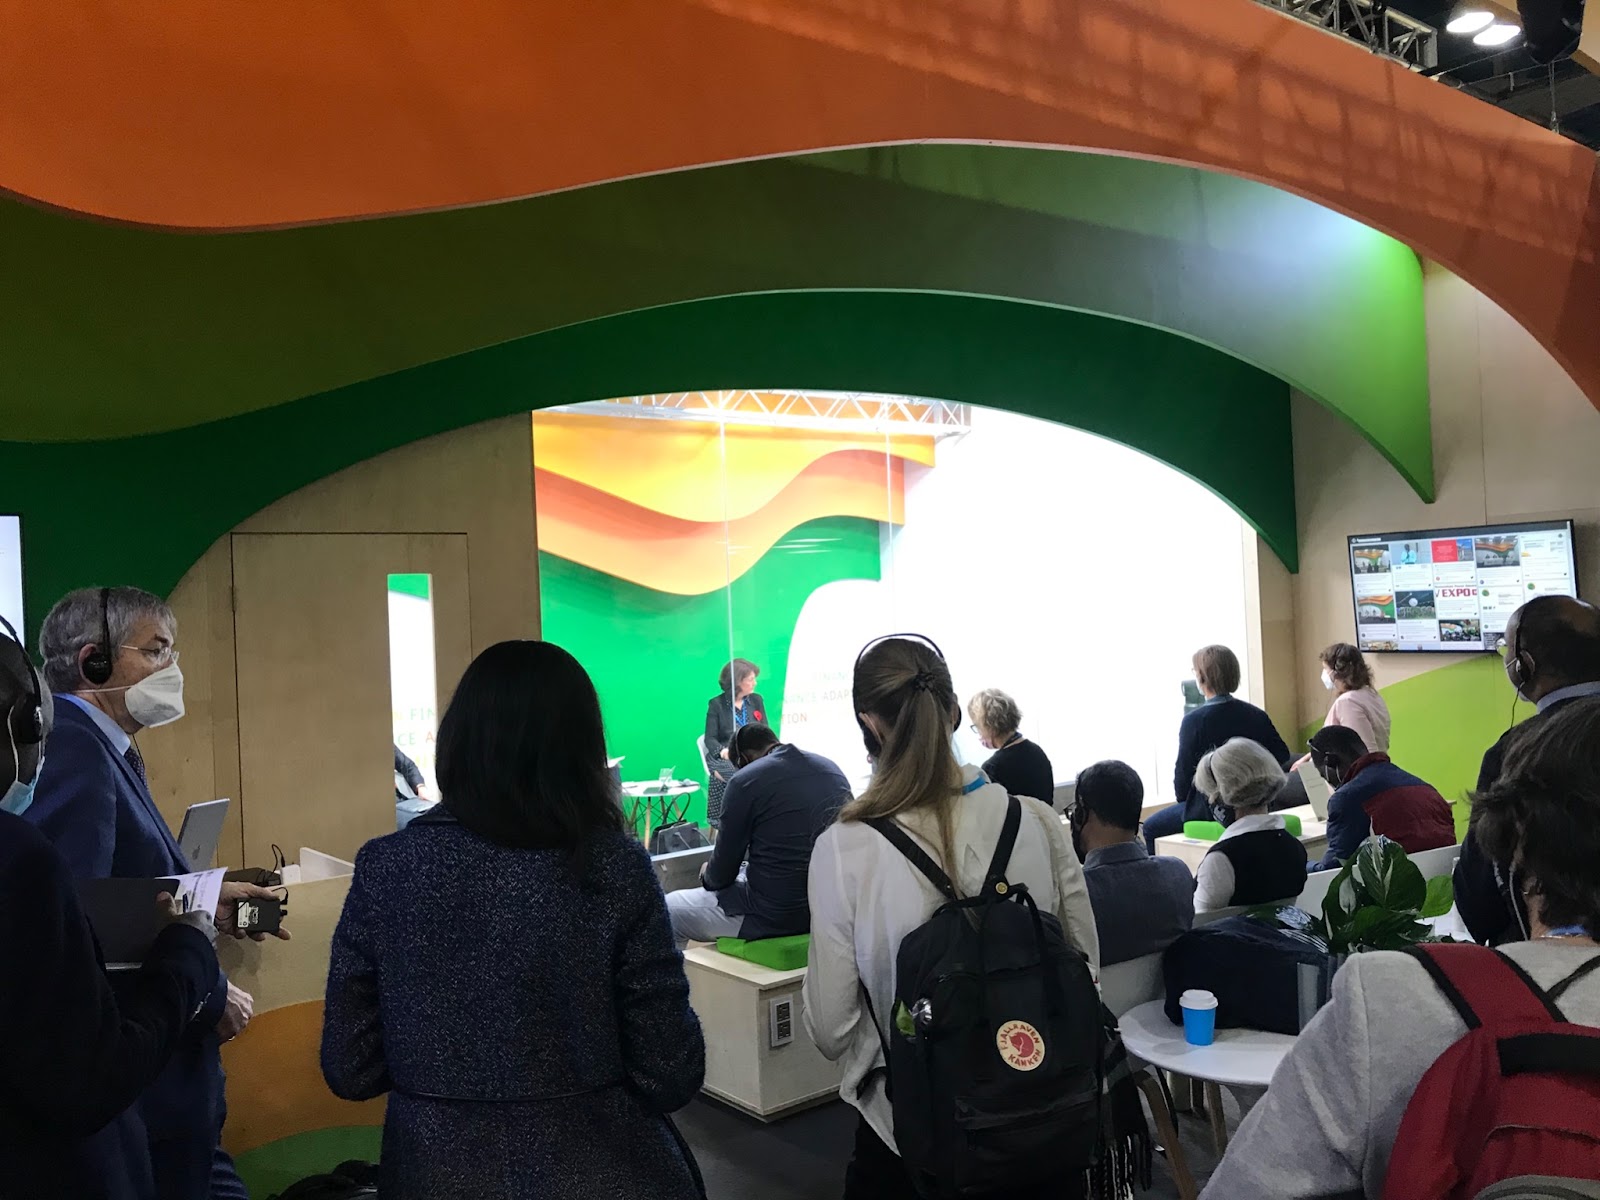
(1378, 901)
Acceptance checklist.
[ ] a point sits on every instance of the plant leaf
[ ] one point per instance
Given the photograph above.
(1375, 928)
(1441, 896)
(1390, 879)
(1337, 909)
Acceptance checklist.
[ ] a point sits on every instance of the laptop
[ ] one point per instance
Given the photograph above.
(1317, 789)
(202, 830)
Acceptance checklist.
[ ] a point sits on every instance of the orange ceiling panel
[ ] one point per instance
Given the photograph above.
(212, 115)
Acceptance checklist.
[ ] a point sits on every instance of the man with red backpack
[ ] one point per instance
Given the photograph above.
(1447, 1072)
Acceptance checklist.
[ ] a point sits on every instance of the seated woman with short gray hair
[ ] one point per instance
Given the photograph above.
(1257, 859)
(1019, 765)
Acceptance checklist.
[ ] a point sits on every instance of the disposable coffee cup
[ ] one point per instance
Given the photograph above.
(1199, 1016)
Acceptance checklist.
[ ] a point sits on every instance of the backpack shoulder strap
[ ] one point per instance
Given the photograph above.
(1003, 847)
(1484, 985)
(906, 844)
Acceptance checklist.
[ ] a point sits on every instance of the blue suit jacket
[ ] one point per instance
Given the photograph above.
(93, 808)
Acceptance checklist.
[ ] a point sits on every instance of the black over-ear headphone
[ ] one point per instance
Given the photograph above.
(98, 666)
(874, 747)
(27, 716)
(1520, 667)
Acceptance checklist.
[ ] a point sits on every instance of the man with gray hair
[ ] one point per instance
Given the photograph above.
(111, 657)
(78, 1052)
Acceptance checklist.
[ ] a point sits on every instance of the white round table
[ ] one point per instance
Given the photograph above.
(671, 799)
(1239, 1057)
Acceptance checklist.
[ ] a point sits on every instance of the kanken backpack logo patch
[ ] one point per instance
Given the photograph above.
(1020, 1045)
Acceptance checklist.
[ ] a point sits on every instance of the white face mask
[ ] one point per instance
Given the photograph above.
(157, 699)
(1327, 679)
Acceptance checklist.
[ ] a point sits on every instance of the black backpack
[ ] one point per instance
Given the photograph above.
(994, 1047)
(352, 1180)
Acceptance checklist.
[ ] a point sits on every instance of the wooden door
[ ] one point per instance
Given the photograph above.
(311, 629)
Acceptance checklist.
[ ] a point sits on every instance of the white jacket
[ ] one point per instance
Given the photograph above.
(866, 896)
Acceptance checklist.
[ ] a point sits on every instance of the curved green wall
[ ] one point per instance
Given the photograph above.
(142, 510)
(113, 331)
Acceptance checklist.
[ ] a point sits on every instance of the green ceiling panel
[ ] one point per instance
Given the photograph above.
(108, 331)
(172, 494)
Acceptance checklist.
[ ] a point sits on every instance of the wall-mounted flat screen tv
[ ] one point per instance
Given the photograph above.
(1452, 590)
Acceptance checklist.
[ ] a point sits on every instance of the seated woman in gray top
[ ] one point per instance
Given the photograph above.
(1328, 1124)
(1142, 904)
(504, 968)
(1257, 860)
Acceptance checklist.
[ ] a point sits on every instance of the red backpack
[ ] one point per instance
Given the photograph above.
(1518, 1095)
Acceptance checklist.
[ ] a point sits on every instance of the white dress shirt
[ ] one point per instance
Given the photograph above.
(1213, 887)
(866, 897)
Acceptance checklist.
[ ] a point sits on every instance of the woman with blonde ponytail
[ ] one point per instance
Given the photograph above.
(866, 896)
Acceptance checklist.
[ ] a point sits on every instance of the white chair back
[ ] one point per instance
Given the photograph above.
(1435, 863)
(1127, 985)
(700, 749)
(1432, 863)
(1316, 890)
(1065, 794)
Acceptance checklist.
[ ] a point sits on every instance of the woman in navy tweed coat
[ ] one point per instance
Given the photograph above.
(505, 970)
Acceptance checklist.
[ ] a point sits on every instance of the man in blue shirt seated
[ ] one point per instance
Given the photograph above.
(1142, 903)
(777, 804)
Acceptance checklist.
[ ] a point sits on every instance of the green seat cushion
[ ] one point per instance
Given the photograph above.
(1210, 831)
(779, 954)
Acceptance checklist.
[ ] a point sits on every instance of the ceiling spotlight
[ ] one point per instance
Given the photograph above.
(1497, 34)
(1470, 20)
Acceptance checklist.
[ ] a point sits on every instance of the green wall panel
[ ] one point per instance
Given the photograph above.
(654, 657)
(107, 331)
(143, 510)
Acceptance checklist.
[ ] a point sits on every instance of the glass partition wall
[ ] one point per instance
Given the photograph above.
(678, 533)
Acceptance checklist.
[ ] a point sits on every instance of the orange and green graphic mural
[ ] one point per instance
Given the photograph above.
(668, 546)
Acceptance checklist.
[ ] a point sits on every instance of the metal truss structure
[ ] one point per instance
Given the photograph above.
(1372, 23)
(838, 410)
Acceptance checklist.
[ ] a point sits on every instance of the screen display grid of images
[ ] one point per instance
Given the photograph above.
(1453, 591)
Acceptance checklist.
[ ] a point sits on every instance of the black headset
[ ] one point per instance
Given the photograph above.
(870, 739)
(26, 717)
(98, 666)
(1520, 667)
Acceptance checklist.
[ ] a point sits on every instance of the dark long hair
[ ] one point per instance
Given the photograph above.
(522, 751)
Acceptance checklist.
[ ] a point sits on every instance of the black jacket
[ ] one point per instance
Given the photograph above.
(775, 810)
(1023, 769)
(1209, 726)
(76, 1056)
(720, 723)
(1483, 894)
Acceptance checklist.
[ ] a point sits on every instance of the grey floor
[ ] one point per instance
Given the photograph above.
(802, 1157)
